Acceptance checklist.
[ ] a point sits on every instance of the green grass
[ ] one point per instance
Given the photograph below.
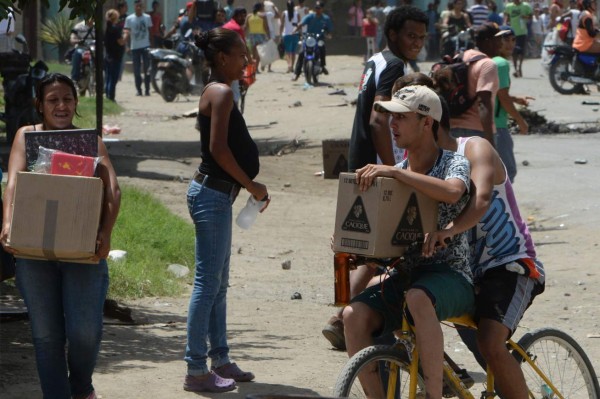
(87, 111)
(65, 69)
(153, 238)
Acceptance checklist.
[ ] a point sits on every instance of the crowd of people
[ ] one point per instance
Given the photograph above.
(403, 129)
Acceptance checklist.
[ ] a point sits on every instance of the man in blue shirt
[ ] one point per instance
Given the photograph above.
(315, 23)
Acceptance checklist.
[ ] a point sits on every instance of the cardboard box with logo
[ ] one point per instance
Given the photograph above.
(335, 157)
(382, 221)
(56, 217)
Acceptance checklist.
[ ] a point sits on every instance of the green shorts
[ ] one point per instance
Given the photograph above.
(449, 291)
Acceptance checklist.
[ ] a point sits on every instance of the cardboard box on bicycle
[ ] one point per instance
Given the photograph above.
(56, 217)
(382, 221)
(335, 157)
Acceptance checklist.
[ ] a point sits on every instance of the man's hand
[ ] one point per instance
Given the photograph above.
(524, 101)
(366, 175)
(523, 126)
(436, 240)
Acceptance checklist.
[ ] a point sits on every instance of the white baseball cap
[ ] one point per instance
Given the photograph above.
(419, 99)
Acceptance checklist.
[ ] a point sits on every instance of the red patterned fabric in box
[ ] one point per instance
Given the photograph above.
(63, 163)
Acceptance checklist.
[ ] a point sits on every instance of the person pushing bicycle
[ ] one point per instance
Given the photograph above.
(439, 286)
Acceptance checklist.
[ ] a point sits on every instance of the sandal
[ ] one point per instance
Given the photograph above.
(210, 382)
(231, 370)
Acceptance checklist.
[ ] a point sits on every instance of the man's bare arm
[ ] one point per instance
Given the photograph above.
(486, 114)
(380, 134)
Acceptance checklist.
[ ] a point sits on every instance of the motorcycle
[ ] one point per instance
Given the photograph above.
(20, 79)
(570, 70)
(157, 55)
(454, 42)
(312, 45)
(182, 73)
(87, 67)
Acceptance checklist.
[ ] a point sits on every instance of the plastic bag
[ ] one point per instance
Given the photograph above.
(56, 162)
(268, 52)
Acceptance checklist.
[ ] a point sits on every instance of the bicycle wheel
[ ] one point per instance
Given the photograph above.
(562, 360)
(381, 360)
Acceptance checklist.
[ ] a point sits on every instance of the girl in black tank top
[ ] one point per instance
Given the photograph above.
(229, 162)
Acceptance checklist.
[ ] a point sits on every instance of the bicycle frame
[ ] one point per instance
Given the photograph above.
(406, 337)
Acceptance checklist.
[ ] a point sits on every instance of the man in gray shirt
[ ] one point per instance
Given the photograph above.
(137, 28)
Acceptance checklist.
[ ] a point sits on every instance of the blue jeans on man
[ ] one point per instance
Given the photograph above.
(65, 302)
(505, 148)
(76, 64)
(141, 64)
(211, 212)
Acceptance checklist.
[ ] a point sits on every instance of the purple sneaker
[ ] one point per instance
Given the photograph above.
(231, 370)
(210, 382)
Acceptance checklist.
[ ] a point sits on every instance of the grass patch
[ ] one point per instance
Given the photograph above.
(154, 238)
(87, 111)
(65, 69)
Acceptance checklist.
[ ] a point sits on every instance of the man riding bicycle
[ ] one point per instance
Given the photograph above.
(438, 287)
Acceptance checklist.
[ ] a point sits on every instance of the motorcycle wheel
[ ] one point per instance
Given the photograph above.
(168, 91)
(155, 77)
(559, 73)
(308, 72)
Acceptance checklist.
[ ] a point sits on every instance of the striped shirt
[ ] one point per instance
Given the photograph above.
(479, 14)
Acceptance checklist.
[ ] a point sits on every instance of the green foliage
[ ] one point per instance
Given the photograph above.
(153, 238)
(79, 8)
(57, 31)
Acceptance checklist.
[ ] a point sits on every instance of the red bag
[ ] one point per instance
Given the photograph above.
(63, 163)
(565, 29)
(249, 74)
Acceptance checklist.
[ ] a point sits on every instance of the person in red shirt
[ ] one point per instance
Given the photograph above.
(369, 32)
(156, 31)
(236, 23)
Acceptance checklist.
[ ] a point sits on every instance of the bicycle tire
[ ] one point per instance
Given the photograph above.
(348, 385)
(562, 360)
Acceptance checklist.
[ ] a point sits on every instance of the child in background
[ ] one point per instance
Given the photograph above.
(369, 31)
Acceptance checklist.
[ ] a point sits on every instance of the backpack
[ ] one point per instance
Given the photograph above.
(205, 9)
(451, 78)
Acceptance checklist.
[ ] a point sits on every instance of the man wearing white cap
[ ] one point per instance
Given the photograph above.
(439, 286)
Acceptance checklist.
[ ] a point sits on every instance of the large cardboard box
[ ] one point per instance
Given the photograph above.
(382, 221)
(335, 157)
(56, 217)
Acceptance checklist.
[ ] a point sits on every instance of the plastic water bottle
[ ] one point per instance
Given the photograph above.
(248, 214)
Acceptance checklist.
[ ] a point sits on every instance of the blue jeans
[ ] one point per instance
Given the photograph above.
(140, 56)
(112, 69)
(65, 303)
(76, 64)
(207, 316)
(504, 146)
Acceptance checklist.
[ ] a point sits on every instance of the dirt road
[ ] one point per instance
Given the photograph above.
(279, 338)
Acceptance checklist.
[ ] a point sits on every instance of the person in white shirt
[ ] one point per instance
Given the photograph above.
(7, 30)
(137, 27)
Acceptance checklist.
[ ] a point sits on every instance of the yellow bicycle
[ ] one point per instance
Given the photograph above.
(554, 364)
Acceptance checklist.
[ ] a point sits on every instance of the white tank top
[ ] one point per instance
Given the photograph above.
(501, 236)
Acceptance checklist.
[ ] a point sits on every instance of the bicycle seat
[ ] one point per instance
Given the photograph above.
(464, 320)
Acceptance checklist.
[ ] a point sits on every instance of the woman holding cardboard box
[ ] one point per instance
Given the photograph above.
(64, 299)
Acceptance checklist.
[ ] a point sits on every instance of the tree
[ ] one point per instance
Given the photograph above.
(57, 31)
(79, 8)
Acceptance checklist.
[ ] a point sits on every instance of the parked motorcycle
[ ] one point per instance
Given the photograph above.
(182, 73)
(157, 55)
(454, 42)
(87, 68)
(19, 79)
(570, 70)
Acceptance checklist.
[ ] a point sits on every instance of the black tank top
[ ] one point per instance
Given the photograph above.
(243, 148)
(458, 22)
